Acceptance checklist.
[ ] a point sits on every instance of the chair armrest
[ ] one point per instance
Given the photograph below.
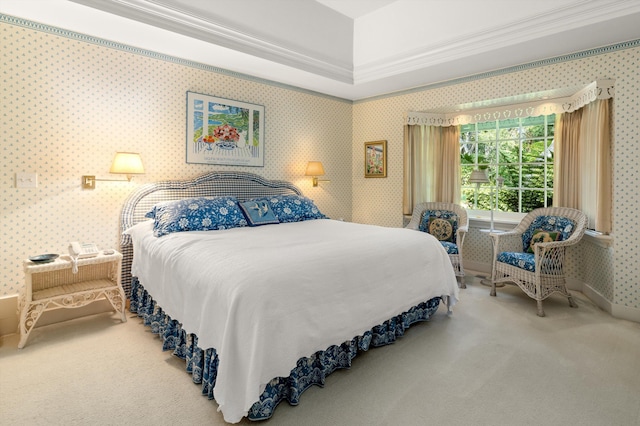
(556, 245)
(460, 234)
(550, 256)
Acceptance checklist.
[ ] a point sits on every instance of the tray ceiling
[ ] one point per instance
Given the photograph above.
(351, 49)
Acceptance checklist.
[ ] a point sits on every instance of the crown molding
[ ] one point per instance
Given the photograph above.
(551, 23)
(181, 22)
(36, 26)
(302, 82)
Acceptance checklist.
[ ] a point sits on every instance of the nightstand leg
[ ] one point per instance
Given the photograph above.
(28, 318)
(117, 300)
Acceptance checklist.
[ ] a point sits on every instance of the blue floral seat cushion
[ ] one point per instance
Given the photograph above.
(519, 260)
(548, 223)
(527, 262)
(451, 248)
(442, 224)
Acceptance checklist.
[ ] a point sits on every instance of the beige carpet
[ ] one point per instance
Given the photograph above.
(493, 362)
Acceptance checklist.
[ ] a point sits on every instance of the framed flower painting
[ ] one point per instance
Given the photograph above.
(223, 131)
(375, 159)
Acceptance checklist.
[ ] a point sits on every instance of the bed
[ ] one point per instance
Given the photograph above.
(261, 313)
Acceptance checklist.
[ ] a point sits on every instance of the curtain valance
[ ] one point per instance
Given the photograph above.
(600, 89)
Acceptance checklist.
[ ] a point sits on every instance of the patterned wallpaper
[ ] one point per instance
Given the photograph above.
(612, 273)
(68, 103)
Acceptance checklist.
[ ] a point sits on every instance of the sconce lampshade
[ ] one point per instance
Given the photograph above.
(314, 168)
(127, 163)
(479, 176)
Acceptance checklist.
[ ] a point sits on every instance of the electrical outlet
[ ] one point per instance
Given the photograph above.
(26, 180)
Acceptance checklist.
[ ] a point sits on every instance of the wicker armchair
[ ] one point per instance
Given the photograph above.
(534, 260)
(455, 220)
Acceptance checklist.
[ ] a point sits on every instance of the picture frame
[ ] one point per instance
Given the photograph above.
(375, 159)
(224, 131)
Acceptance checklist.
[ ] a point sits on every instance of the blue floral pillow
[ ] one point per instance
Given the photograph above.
(559, 224)
(196, 214)
(258, 212)
(293, 208)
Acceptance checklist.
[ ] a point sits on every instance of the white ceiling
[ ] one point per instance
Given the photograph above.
(355, 8)
(351, 49)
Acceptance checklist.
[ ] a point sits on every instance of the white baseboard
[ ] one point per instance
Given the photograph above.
(472, 267)
(615, 310)
(9, 317)
(625, 312)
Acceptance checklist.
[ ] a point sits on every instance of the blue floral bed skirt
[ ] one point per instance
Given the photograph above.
(203, 363)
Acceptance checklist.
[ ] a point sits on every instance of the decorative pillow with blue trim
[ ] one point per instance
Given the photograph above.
(542, 236)
(258, 212)
(563, 226)
(197, 214)
(293, 208)
(442, 224)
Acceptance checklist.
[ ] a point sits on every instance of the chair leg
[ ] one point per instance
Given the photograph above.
(461, 282)
(493, 288)
(572, 303)
(448, 303)
(540, 310)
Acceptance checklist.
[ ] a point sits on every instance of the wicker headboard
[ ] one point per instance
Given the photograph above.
(241, 185)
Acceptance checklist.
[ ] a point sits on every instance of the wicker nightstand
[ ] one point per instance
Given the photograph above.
(53, 285)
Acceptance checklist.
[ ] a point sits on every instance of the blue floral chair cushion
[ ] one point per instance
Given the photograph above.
(519, 260)
(526, 261)
(293, 208)
(442, 224)
(196, 214)
(450, 247)
(563, 226)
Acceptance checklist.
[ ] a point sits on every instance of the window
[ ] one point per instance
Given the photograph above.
(519, 150)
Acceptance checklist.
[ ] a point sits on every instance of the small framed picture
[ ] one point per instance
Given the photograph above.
(375, 159)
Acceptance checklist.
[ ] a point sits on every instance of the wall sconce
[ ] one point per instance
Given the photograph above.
(126, 163)
(315, 169)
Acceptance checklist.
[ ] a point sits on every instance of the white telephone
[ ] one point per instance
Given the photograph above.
(81, 251)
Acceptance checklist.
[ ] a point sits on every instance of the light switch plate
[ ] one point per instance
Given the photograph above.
(26, 180)
(88, 182)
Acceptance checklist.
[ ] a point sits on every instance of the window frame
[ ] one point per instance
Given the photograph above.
(492, 161)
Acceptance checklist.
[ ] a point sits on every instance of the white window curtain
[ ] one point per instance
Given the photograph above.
(582, 149)
(582, 175)
(431, 165)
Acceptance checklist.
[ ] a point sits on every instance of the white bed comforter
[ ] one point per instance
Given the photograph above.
(266, 296)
